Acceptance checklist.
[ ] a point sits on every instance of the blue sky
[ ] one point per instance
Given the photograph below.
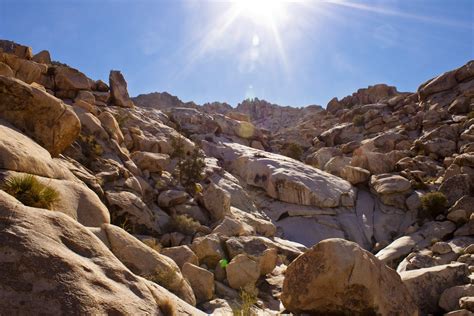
(292, 53)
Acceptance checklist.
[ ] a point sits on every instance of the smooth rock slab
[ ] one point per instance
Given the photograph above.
(283, 178)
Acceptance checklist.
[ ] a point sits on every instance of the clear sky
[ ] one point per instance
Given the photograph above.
(288, 52)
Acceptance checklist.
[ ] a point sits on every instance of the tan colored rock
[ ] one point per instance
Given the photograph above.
(181, 255)
(231, 227)
(118, 90)
(128, 205)
(355, 175)
(242, 271)
(111, 126)
(426, 285)
(22, 154)
(217, 201)
(260, 249)
(171, 198)
(201, 280)
(337, 276)
(66, 269)
(208, 249)
(75, 200)
(283, 178)
(152, 162)
(70, 79)
(85, 96)
(5, 70)
(144, 261)
(45, 118)
(42, 57)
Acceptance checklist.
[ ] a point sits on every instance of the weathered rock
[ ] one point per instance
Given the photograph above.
(338, 277)
(426, 285)
(42, 57)
(20, 153)
(41, 116)
(152, 162)
(422, 238)
(217, 201)
(208, 249)
(118, 90)
(355, 175)
(128, 205)
(449, 299)
(181, 255)
(456, 187)
(71, 264)
(231, 227)
(170, 198)
(144, 261)
(70, 79)
(201, 280)
(111, 126)
(75, 200)
(242, 271)
(283, 178)
(5, 70)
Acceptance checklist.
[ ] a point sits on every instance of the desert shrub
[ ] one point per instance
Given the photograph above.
(184, 224)
(189, 168)
(433, 204)
(293, 150)
(248, 297)
(358, 120)
(160, 277)
(31, 192)
(470, 115)
(90, 147)
(153, 244)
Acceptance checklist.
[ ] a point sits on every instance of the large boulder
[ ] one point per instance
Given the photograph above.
(51, 123)
(69, 81)
(145, 261)
(337, 277)
(20, 153)
(51, 263)
(118, 90)
(242, 271)
(283, 178)
(201, 280)
(217, 201)
(426, 285)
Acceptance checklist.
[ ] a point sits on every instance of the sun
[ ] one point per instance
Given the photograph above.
(261, 11)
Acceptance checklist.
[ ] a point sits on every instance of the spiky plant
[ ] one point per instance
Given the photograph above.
(31, 192)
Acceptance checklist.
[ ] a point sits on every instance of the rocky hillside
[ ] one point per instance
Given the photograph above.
(148, 205)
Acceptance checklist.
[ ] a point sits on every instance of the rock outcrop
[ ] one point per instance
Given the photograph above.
(338, 277)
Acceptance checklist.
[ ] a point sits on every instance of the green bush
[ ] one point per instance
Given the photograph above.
(358, 120)
(433, 204)
(293, 150)
(29, 191)
(190, 168)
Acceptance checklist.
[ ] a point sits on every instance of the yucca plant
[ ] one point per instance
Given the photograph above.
(31, 192)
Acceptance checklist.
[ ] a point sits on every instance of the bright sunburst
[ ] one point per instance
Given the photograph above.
(266, 11)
